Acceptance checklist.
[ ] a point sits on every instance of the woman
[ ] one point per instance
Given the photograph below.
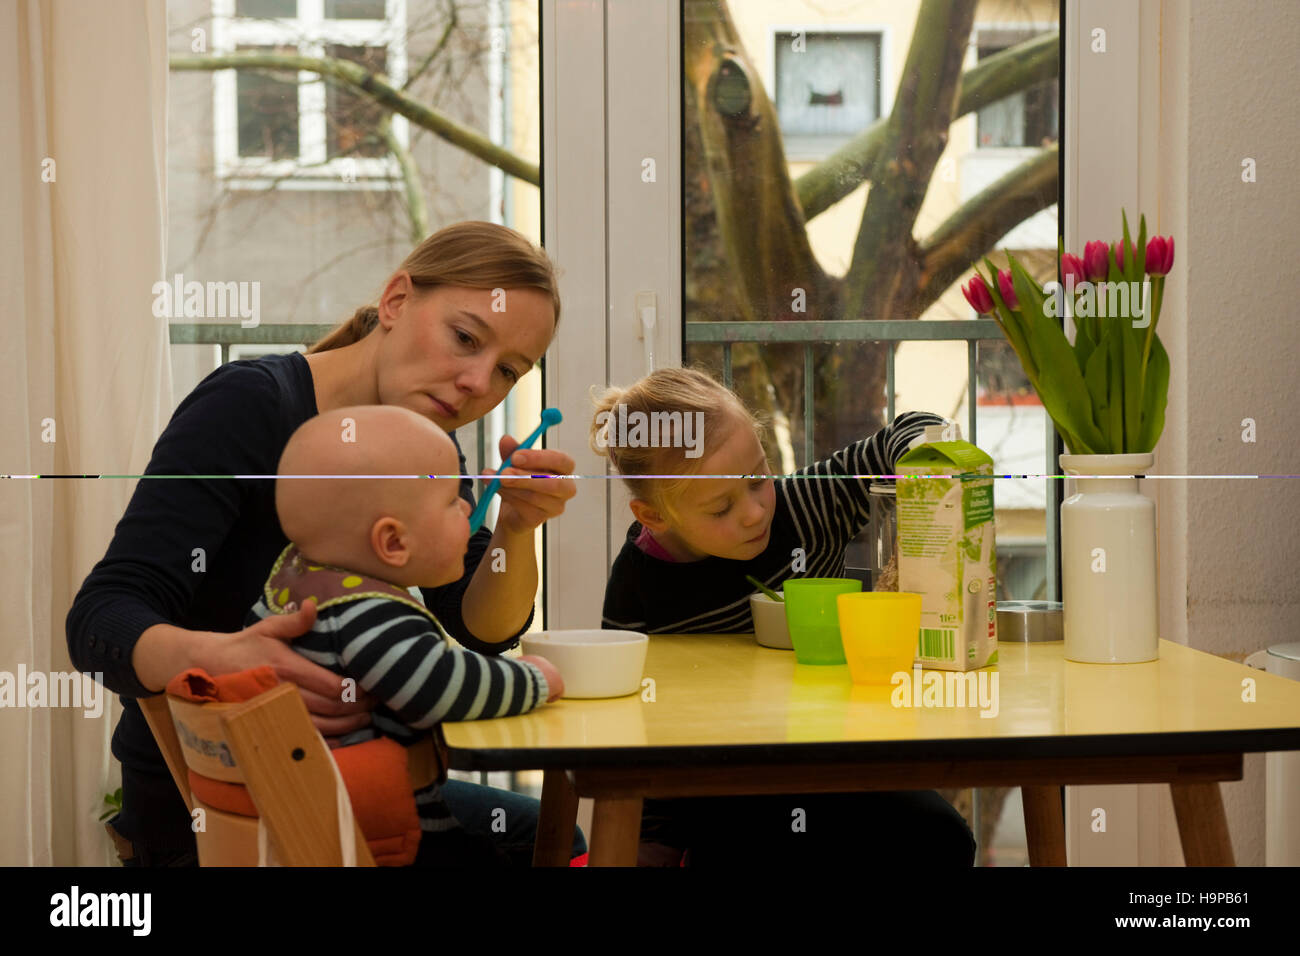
(469, 312)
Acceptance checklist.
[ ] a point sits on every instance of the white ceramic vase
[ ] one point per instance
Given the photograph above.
(1108, 562)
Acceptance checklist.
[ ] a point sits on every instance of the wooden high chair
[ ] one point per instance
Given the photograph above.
(269, 745)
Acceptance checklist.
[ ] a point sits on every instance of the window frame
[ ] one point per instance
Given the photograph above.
(310, 32)
(1100, 175)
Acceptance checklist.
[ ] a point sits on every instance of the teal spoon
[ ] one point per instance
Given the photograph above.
(550, 416)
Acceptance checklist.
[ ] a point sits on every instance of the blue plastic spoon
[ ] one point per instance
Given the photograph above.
(550, 416)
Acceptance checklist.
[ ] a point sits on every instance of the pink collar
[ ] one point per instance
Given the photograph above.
(647, 543)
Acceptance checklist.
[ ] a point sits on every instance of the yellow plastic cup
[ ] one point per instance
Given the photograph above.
(879, 630)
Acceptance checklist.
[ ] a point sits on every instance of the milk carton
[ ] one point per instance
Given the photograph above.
(945, 549)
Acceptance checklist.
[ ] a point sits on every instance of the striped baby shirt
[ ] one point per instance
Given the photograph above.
(399, 655)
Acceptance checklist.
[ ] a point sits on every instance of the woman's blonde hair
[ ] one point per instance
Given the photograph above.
(471, 255)
(669, 391)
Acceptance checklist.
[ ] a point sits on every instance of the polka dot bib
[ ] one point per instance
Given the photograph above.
(294, 579)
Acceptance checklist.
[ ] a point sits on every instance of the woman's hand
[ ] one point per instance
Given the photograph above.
(266, 643)
(527, 502)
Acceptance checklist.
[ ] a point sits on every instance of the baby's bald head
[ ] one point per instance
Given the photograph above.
(331, 519)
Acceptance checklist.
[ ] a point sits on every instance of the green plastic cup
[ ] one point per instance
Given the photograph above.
(814, 618)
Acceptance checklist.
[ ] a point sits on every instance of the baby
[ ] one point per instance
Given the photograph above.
(356, 545)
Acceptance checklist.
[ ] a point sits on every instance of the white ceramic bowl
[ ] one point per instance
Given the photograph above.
(770, 628)
(593, 663)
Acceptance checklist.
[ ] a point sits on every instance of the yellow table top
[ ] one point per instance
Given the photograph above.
(723, 696)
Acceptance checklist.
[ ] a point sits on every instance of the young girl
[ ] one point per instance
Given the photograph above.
(697, 539)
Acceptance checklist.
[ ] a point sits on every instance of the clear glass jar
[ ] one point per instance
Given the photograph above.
(883, 537)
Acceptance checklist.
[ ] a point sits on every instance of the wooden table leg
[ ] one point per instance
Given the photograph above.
(1202, 826)
(1044, 825)
(615, 831)
(557, 820)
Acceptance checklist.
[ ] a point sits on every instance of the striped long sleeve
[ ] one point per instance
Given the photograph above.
(828, 503)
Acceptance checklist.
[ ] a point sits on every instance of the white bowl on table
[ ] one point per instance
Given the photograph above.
(770, 628)
(593, 663)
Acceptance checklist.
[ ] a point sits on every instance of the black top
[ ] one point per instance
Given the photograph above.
(237, 421)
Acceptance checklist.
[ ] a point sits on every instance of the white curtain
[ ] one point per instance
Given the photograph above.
(83, 89)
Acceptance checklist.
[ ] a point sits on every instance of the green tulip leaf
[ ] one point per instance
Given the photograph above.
(1063, 391)
(1127, 271)
(1011, 326)
(1157, 395)
(1096, 380)
(1132, 379)
(1140, 260)
(1084, 345)
(1115, 401)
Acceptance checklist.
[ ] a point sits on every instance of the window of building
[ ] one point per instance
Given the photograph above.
(827, 87)
(1029, 118)
(297, 129)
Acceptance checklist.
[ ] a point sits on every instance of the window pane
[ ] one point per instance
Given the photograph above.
(352, 118)
(354, 9)
(1028, 118)
(774, 236)
(827, 84)
(266, 8)
(268, 110)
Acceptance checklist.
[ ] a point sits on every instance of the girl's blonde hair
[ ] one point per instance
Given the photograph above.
(684, 391)
(471, 255)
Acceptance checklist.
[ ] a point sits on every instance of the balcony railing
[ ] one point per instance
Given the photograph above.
(814, 333)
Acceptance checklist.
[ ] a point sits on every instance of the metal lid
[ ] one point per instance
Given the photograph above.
(1030, 621)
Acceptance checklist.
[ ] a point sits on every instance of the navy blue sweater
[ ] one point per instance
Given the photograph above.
(237, 421)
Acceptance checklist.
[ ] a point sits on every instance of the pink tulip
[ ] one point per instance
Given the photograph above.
(1160, 255)
(1096, 259)
(978, 295)
(1072, 266)
(1007, 289)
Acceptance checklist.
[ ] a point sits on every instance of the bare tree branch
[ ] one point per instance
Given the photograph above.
(416, 210)
(995, 78)
(884, 268)
(437, 48)
(981, 221)
(382, 92)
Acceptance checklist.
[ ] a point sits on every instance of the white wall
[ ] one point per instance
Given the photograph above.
(1220, 85)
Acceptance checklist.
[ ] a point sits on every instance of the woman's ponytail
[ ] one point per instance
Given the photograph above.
(353, 330)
